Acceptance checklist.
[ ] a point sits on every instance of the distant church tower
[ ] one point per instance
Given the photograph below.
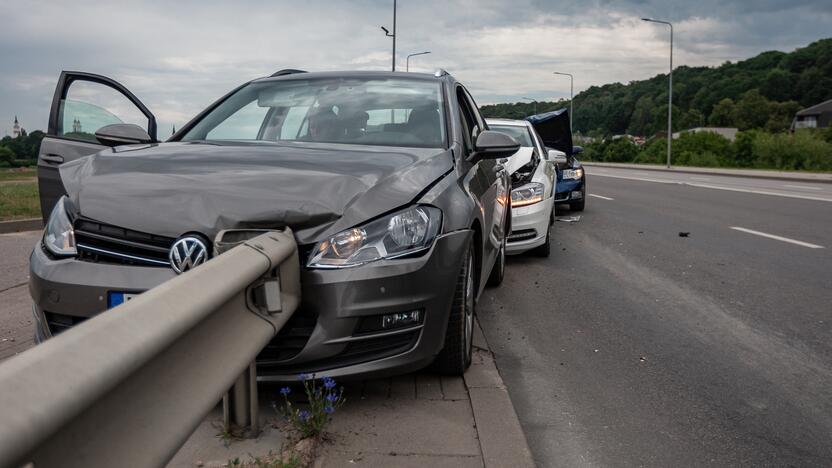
(76, 126)
(16, 130)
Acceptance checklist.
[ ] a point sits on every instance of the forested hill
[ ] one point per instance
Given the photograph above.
(761, 92)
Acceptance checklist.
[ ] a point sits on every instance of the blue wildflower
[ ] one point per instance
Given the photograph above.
(285, 391)
(329, 410)
(305, 376)
(304, 415)
(332, 398)
(329, 382)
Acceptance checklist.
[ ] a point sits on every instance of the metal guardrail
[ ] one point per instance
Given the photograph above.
(129, 387)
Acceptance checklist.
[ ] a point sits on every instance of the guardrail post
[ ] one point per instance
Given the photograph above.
(241, 406)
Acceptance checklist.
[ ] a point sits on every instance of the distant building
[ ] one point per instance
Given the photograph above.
(17, 130)
(729, 133)
(817, 116)
(76, 126)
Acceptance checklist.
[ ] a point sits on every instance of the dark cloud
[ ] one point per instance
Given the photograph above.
(180, 56)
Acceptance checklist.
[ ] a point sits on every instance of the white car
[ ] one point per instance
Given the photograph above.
(533, 177)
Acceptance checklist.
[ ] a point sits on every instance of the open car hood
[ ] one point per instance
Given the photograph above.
(553, 128)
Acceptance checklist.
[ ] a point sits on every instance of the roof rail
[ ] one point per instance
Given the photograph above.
(440, 72)
(287, 71)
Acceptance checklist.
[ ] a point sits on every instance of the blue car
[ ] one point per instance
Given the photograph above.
(554, 128)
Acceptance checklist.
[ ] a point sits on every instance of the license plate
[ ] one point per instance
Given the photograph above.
(115, 298)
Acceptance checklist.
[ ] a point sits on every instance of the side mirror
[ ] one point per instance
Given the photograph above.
(557, 156)
(122, 134)
(495, 145)
(577, 149)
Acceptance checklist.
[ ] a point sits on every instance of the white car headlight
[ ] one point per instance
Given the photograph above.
(528, 194)
(59, 237)
(402, 233)
(573, 173)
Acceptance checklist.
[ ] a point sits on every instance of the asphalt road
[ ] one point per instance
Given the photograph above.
(16, 326)
(633, 346)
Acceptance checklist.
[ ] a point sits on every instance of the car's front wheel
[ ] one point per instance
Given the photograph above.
(455, 356)
(545, 249)
(579, 205)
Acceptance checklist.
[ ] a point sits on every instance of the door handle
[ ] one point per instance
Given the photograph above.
(52, 158)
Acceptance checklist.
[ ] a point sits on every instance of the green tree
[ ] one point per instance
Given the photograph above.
(723, 114)
(752, 110)
(6, 156)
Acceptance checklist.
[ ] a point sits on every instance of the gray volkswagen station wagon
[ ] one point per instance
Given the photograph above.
(392, 184)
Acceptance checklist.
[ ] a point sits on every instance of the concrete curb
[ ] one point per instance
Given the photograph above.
(19, 225)
(816, 177)
(502, 440)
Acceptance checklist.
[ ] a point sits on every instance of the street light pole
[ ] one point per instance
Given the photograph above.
(534, 101)
(571, 97)
(407, 62)
(669, 91)
(393, 34)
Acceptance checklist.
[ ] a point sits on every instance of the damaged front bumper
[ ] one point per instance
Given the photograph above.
(338, 330)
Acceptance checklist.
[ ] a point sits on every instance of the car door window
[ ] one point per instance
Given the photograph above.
(470, 126)
(88, 106)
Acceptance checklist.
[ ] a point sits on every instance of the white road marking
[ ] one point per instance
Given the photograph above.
(772, 236)
(803, 187)
(601, 197)
(718, 187)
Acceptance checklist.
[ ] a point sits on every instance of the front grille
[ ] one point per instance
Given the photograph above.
(521, 235)
(58, 323)
(98, 242)
(381, 347)
(356, 352)
(561, 196)
(291, 339)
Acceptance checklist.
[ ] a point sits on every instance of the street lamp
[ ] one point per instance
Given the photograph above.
(407, 62)
(669, 91)
(534, 101)
(393, 34)
(571, 89)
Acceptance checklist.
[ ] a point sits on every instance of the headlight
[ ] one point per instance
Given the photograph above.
(59, 237)
(528, 194)
(392, 236)
(573, 173)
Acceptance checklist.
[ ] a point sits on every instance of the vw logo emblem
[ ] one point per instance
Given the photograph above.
(187, 253)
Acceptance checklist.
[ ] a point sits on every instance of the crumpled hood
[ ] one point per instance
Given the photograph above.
(173, 188)
(519, 159)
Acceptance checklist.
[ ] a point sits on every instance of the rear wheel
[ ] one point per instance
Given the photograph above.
(455, 356)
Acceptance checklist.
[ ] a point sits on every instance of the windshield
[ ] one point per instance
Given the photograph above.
(521, 134)
(365, 111)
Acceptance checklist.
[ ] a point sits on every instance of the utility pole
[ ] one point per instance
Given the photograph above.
(393, 34)
(669, 90)
(407, 62)
(571, 98)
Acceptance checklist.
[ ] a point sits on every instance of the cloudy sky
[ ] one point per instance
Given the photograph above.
(179, 56)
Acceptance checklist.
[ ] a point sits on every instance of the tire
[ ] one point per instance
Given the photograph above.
(579, 206)
(499, 269)
(544, 250)
(455, 356)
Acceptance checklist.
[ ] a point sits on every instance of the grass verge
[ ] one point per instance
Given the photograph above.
(19, 201)
(22, 173)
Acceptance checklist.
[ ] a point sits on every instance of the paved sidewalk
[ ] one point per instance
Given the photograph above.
(797, 176)
(413, 420)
